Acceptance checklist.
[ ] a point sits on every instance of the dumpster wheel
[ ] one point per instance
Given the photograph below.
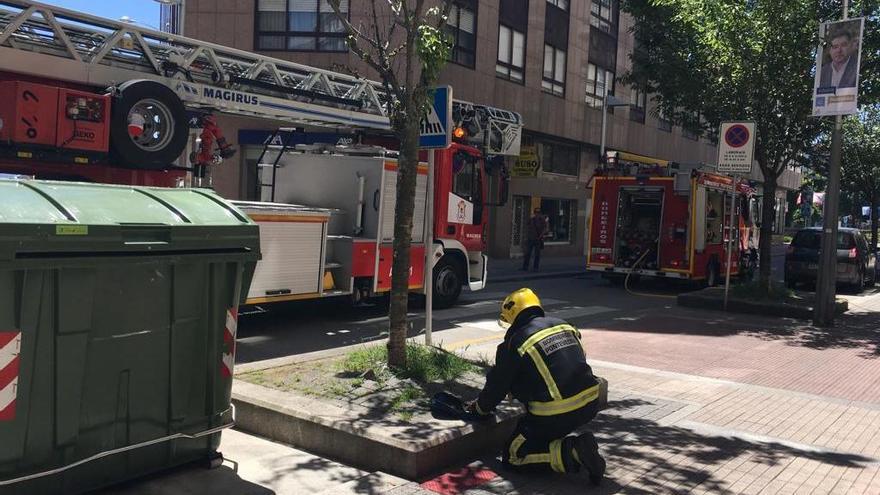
(214, 460)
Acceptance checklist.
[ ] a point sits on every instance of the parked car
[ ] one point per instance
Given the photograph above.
(856, 265)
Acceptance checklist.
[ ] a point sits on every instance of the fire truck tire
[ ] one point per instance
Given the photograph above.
(447, 280)
(148, 127)
(712, 274)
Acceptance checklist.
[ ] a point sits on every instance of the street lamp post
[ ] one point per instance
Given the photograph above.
(179, 13)
(826, 279)
(608, 101)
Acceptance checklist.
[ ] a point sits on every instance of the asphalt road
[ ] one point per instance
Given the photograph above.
(310, 326)
(300, 327)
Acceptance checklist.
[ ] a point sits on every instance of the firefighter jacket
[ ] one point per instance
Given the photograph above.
(542, 364)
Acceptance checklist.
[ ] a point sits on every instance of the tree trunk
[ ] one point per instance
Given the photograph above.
(766, 242)
(407, 171)
(874, 223)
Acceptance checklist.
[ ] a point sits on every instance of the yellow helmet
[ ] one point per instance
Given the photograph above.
(517, 302)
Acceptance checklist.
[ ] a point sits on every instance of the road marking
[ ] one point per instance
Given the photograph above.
(498, 332)
(469, 342)
(488, 325)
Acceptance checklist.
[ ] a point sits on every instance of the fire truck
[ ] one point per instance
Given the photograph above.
(91, 99)
(665, 219)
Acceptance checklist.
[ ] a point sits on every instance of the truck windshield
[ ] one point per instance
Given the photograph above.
(465, 182)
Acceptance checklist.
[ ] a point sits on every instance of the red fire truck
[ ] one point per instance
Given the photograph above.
(91, 99)
(665, 219)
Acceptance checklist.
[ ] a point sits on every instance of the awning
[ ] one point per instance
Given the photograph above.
(647, 160)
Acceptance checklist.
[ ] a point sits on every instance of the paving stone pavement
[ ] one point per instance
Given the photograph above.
(666, 432)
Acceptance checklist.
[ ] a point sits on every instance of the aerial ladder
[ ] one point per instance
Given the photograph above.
(153, 78)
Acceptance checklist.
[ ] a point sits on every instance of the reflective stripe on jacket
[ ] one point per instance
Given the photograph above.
(542, 364)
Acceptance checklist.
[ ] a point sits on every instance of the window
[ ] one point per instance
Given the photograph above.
(598, 79)
(560, 159)
(462, 27)
(554, 71)
(714, 216)
(466, 181)
(559, 213)
(639, 104)
(562, 4)
(690, 127)
(663, 123)
(602, 15)
(299, 25)
(511, 54)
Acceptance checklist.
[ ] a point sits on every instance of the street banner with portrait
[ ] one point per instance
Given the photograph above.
(836, 89)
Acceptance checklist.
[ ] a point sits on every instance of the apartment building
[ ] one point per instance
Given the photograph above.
(549, 60)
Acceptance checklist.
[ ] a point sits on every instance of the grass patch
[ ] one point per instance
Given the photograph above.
(405, 403)
(362, 379)
(754, 292)
(423, 364)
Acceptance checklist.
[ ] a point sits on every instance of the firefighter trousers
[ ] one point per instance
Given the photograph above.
(545, 443)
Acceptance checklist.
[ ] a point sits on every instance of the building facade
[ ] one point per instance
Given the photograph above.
(549, 60)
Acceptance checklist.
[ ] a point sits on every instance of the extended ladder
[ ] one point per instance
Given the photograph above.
(53, 42)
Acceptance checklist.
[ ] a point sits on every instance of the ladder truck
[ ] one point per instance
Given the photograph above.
(87, 98)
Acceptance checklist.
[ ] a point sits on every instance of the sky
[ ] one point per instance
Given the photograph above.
(144, 12)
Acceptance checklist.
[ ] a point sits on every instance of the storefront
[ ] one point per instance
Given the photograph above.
(549, 174)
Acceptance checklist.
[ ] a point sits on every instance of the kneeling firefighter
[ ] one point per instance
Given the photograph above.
(542, 364)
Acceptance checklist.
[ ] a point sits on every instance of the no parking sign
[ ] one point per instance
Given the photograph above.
(736, 147)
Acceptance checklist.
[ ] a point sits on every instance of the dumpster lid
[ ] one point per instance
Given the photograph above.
(49, 202)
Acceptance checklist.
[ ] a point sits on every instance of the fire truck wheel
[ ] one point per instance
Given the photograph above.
(712, 274)
(447, 282)
(148, 128)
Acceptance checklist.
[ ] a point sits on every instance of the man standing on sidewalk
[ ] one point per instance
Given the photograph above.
(536, 231)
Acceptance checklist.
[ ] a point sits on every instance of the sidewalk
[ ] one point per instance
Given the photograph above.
(664, 432)
(674, 433)
(509, 270)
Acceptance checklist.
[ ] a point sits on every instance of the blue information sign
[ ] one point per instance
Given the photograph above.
(436, 127)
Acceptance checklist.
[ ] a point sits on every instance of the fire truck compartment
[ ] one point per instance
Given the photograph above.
(340, 182)
(350, 249)
(638, 227)
(294, 239)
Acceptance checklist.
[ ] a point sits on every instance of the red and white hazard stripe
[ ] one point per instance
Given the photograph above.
(229, 342)
(10, 347)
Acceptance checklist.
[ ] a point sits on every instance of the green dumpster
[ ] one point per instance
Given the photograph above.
(118, 311)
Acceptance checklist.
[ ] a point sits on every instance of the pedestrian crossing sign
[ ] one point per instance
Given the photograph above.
(436, 128)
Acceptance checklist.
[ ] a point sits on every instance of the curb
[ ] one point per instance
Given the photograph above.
(535, 276)
(700, 301)
(309, 425)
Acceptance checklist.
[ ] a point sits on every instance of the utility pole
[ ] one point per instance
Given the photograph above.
(826, 284)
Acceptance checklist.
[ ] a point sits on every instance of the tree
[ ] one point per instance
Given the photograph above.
(707, 61)
(404, 43)
(860, 174)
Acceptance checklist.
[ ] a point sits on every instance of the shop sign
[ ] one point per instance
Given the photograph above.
(527, 163)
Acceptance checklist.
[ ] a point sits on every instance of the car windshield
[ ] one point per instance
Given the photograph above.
(812, 239)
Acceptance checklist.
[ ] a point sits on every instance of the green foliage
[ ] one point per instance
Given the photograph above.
(423, 363)
(860, 170)
(434, 47)
(731, 60)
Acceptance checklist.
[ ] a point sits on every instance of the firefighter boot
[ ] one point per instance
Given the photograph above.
(587, 451)
(226, 149)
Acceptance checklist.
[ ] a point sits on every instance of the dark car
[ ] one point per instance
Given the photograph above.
(855, 262)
